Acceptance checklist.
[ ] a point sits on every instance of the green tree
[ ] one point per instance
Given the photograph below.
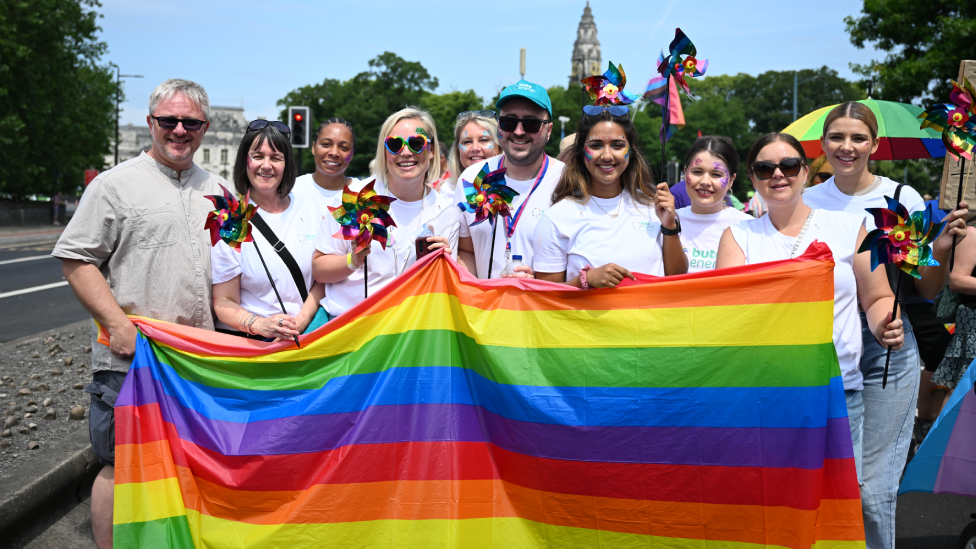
(924, 43)
(57, 104)
(446, 107)
(390, 84)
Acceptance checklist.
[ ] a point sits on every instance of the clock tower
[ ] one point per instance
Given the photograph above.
(586, 50)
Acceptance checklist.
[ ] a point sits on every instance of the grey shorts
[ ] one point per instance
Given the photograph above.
(104, 389)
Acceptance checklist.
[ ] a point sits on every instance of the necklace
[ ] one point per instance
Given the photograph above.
(616, 211)
(397, 267)
(799, 237)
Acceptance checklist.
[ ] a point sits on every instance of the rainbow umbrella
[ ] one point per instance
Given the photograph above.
(901, 138)
(946, 461)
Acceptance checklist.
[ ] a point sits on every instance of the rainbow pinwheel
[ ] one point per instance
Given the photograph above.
(608, 88)
(955, 120)
(363, 217)
(231, 221)
(488, 196)
(901, 238)
(681, 62)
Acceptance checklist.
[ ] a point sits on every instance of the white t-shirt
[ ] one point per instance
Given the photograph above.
(826, 196)
(400, 252)
(571, 235)
(297, 227)
(306, 187)
(700, 235)
(761, 242)
(538, 203)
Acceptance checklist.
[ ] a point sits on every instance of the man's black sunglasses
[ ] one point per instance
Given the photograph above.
(508, 123)
(259, 124)
(170, 123)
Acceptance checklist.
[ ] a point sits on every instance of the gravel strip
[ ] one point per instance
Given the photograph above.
(42, 396)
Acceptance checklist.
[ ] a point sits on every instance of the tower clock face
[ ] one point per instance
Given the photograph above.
(575, 69)
(595, 68)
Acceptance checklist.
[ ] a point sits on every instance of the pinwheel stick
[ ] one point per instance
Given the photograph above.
(894, 312)
(666, 122)
(273, 287)
(365, 277)
(960, 193)
(491, 257)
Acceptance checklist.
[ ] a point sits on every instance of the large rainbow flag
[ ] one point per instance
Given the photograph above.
(702, 411)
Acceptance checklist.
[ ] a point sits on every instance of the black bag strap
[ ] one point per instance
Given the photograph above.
(283, 253)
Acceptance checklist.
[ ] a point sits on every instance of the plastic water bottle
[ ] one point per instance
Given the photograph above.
(510, 266)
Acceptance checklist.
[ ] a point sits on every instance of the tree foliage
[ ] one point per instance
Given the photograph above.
(924, 43)
(56, 102)
(367, 99)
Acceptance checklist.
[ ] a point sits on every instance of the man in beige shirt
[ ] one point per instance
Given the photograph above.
(137, 246)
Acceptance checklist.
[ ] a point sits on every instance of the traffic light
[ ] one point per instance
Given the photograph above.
(298, 122)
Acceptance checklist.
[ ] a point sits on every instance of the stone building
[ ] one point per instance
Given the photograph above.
(216, 154)
(586, 50)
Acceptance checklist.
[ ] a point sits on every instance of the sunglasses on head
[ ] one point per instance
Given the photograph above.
(789, 166)
(509, 123)
(416, 143)
(615, 110)
(257, 125)
(170, 123)
(484, 114)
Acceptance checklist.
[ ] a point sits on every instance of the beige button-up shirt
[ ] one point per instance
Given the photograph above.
(143, 227)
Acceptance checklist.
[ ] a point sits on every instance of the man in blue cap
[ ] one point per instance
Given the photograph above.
(524, 128)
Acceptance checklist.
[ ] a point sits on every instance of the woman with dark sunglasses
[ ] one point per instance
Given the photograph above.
(607, 217)
(475, 139)
(332, 150)
(244, 299)
(779, 172)
(849, 139)
(407, 160)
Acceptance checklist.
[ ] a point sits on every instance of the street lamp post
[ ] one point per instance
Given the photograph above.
(118, 94)
(562, 127)
(796, 86)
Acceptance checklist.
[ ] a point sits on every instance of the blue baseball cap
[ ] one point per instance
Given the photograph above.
(533, 92)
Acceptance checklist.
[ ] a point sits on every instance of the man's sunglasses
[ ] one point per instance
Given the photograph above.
(483, 114)
(170, 123)
(615, 110)
(530, 125)
(259, 124)
(789, 166)
(416, 144)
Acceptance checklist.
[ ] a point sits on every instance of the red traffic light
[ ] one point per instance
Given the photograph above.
(298, 117)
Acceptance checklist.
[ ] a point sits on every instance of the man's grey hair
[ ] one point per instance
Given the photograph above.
(193, 91)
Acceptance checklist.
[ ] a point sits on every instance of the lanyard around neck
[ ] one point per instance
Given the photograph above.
(512, 222)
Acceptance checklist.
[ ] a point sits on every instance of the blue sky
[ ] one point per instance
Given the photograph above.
(252, 53)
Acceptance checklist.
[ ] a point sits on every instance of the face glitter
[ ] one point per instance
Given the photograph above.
(724, 180)
(348, 158)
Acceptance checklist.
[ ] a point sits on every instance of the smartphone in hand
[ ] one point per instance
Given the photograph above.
(423, 247)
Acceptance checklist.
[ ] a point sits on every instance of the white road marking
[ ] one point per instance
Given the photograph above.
(34, 289)
(31, 258)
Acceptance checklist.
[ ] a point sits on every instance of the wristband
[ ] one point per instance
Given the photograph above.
(583, 282)
(672, 232)
(352, 266)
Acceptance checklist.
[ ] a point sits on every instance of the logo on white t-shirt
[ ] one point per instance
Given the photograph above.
(537, 212)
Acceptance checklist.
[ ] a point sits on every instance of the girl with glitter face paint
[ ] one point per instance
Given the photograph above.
(607, 220)
(475, 139)
(712, 164)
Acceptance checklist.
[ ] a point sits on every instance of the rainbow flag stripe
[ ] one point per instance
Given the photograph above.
(444, 411)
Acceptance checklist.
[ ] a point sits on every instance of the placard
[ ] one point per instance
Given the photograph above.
(950, 170)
